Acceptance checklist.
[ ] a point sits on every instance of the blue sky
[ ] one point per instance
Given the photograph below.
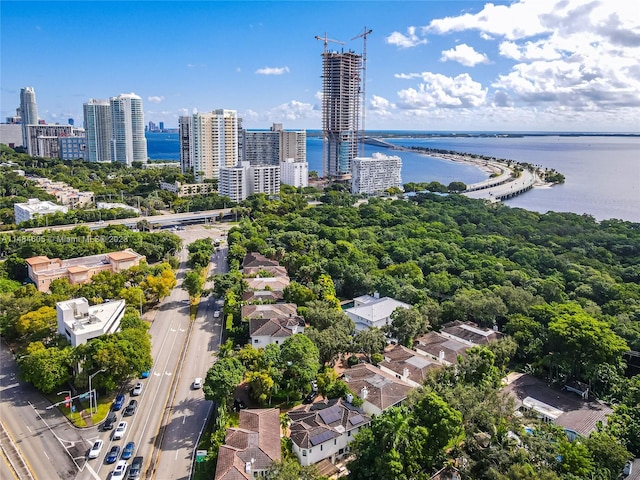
(523, 65)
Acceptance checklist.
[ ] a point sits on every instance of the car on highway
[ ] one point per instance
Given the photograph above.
(95, 449)
(131, 408)
(127, 451)
(120, 471)
(120, 431)
(137, 390)
(118, 403)
(197, 383)
(136, 468)
(108, 423)
(113, 454)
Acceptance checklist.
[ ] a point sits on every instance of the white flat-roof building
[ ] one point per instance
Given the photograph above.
(368, 311)
(245, 179)
(26, 211)
(294, 173)
(78, 322)
(375, 174)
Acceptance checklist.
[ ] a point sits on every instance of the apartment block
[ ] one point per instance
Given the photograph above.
(375, 174)
(42, 270)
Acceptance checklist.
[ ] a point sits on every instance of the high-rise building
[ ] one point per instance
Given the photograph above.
(128, 143)
(375, 174)
(161, 126)
(262, 147)
(28, 110)
(294, 173)
(184, 133)
(270, 147)
(42, 140)
(212, 142)
(244, 179)
(340, 111)
(97, 124)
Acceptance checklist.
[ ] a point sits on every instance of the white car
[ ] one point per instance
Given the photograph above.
(216, 314)
(197, 383)
(137, 390)
(120, 431)
(95, 449)
(120, 471)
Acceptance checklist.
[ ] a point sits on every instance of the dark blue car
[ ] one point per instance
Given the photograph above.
(118, 402)
(112, 456)
(128, 450)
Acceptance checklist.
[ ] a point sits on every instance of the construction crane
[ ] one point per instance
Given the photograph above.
(325, 106)
(363, 35)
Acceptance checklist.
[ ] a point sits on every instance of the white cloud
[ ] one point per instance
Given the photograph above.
(380, 106)
(272, 70)
(155, 98)
(405, 41)
(440, 91)
(465, 55)
(570, 56)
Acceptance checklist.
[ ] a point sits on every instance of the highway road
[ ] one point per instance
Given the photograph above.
(189, 410)
(53, 449)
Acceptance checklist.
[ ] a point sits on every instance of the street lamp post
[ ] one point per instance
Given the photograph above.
(91, 402)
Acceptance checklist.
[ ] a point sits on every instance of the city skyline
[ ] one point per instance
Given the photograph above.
(543, 65)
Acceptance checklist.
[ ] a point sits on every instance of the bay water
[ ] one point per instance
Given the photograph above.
(602, 172)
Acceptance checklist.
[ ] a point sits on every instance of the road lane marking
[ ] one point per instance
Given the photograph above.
(45, 454)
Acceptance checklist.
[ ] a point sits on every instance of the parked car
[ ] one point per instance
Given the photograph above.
(136, 468)
(628, 467)
(137, 390)
(131, 408)
(127, 451)
(197, 383)
(118, 403)
(216, 314)
(309, 398)
(120, 471)
(120, 430)
(108, 423)
(95, 449)
(145, 374)
(113, 454)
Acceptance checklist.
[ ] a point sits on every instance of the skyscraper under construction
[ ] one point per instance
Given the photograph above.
(340, 111)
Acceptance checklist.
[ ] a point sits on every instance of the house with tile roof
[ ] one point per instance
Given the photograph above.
(470, 333)
(257, 260)
(379, 390)
(444, 350)
(407, 365)
(275, 284)
(269, 310)
(323, 430)
(251, 448)
(265, 296)
(372, 311)
(42, 270)
(264, 331)
(569, 410)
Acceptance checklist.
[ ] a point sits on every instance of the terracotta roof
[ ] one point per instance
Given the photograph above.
(275, 327)
(433, 343)
(262, 296)
(269, 310)
(277, 284)
(382, 389)
(123, 255)
(255, 259)
(255, 441)
(274, 270)
(403, 360)
(322, 421)
(471, 332)
(79, 269)
(569, 409)
(37, 260)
